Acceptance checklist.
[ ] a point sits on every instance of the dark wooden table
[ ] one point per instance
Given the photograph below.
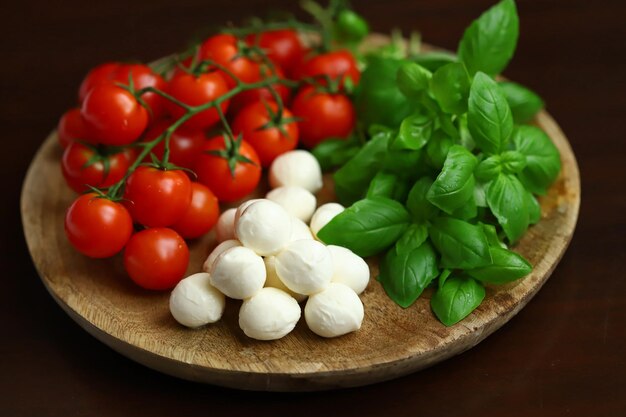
(564, 354)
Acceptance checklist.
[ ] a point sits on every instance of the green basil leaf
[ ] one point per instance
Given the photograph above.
(480, 194)
(367, 227)
(413, 79)
(352, 179)
(507, 266)
(414, 133)
(443, 277)
(414, 236)
(418, 205)
(489, 118)
(432, 61)
(455, 184)
(404, 276)
(406, 164)
(437, 149)
(534, 209)
(386, 184)
(489, 168)
(456, 299)
(543, 162)
(512, 162)
(506, 197)
(332, 153)
(524, 103)
(488, 44)
(450, 86)
(462, 245)
(467, 211)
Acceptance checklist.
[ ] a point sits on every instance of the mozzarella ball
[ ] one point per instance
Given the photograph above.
(324, 214)
(305, 266)
(274, 281)
(269, 315)
(264, 227)
(194, 302)
(349, 268)
(243, 206)
(219, 249)
(334, 312)
(299, 230)
(225, 227)
(238, 272)
(298, 168)
(297, 201)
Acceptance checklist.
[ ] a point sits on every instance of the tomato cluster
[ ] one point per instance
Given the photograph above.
(156, 153)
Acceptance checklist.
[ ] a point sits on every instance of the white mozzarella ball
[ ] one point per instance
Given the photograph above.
(298, 168)
(274, 281)
(324, 214)
(334, 312)
(243, 206)
(269, 315)
(297, 201)
(349, 268)
(264, 227)
(194, 302)
(225, 227)
(238, 272)
(299, 230)
(219, 249)
(305, 266)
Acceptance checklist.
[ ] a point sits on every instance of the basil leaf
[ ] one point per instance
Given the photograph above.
(512, 162)
(404, 276)
(489, 42)
(414, 236)
(418, 205)
(455, 184)
(507, 266)
(480, 194)
(489, 118)
(456, 299)
(443, 277)
(450, 86)
(492, 235)
(534, 209)
(352, 179)
(386, 184)
(506, 197)
(437, 149)
(413, 79)
(543, 162)
(462, 245)
(489, 168)
(467, 211)
(432, 61)
(524, 103)
(405, 164)
(367, 227)
(332, 153)
(414, 133)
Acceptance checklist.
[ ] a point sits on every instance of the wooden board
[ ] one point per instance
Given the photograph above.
(392, 342)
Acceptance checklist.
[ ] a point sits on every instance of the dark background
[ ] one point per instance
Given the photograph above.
(562, 355)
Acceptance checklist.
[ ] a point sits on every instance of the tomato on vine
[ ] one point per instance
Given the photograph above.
(247, 97)
(157, 197)
(97, 75)
(201, 215)
(96, 226)
(156, 259)
(185, 144)
(229, 52)
(229, 167)
(283, 47)
(71, 127)
(337, 64)
(270, 134)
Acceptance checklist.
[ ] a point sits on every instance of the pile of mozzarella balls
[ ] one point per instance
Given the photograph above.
(270, 258)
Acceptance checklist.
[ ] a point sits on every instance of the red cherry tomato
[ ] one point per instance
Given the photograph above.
(224, 49)
(97, 227)
(201, 215)
(156, 259)
(71, 127)
(144, 77)
(82, 166)
(157, 198)
(283, 47)
(247, 97)
(214, 172)
(334, 64)
(101, 73)
(195, 91)
(323, 116)
(268, 142)
(113, 116)
(185, 144)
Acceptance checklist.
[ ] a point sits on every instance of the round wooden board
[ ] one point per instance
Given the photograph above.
(392, 341)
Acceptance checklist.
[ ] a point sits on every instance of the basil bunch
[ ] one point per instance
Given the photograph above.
(438, 192)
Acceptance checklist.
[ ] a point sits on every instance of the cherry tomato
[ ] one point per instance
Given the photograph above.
(214, 171)
(156, 259)
(323, 116)
(223, 49)
(97, 227)
(157, 198)
(82, 166)
(71, 127)
(185, 144)
(101, 73)
(283, 47)
(244, 98)
(113, 116)
(268, 142)
(201, 215)
(195, 91)
(334, 64)
(144, 77)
